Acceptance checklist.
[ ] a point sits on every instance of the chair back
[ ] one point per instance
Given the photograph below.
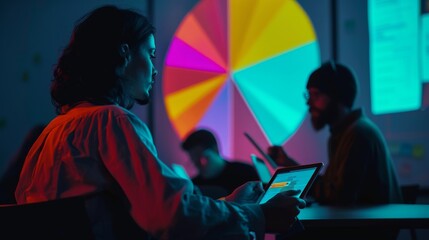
(87, 217)
(55, 219)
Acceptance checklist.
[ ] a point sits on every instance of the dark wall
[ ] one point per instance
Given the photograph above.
(33, 34)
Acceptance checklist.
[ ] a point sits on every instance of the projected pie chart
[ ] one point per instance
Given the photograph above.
(231, 63)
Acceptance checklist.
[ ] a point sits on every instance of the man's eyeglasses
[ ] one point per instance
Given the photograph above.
(306, 96)
(312, 95)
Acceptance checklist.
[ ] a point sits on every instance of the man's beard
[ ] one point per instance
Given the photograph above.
(324, 118)
(319, 122)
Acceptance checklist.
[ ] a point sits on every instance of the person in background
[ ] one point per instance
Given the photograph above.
(216, 176)
(360, 170)
(97, 144)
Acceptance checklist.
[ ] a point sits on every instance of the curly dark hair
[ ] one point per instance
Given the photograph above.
(86, 70)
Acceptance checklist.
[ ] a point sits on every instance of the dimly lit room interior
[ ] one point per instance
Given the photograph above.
(227, 65)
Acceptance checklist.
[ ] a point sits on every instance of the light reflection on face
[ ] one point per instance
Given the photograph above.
(140, 72)
(203, 159)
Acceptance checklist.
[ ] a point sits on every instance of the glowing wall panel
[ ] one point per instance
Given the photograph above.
(425, 47)
(394, 55)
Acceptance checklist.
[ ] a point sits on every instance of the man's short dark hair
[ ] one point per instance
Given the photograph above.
(200, 137)
(336, 80)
